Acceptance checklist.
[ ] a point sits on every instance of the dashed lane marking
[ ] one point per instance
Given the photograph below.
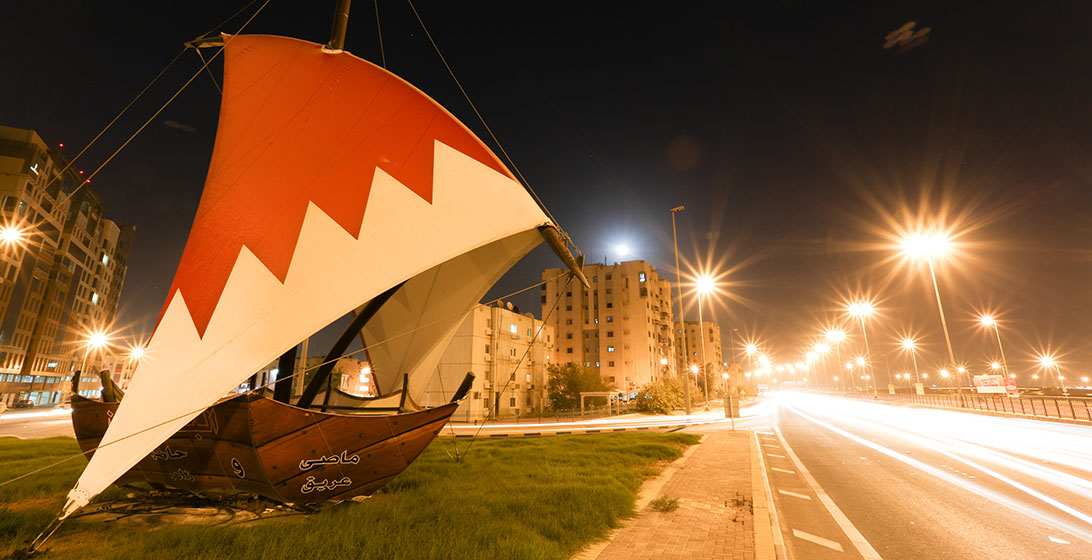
(817, 540)
(782, 470)
(855, 536)
(775, 455)
(768, 445)
(1057, 540)
(793, 494)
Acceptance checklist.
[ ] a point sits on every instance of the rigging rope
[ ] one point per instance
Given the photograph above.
(496, 141)
(379, 31)
(302, 372)
(164, 106)
(516, 368)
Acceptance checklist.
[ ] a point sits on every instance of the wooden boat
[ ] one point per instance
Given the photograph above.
(334, 187)
(252, 444)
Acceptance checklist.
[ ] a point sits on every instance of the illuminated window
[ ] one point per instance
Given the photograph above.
(513, 328)
(610, 349)
(94, 297)
(641, 277)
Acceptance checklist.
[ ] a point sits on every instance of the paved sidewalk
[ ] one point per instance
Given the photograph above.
(714, 484)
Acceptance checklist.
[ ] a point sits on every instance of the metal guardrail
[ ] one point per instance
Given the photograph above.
(1065, 408)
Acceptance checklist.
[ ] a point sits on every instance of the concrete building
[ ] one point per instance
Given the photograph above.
(508, 353)
(61, 275)
(622, 327)
(691, 354)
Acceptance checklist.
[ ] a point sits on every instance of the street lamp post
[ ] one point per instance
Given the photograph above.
(1050, 363)
(835, 337)
(860, 310)
(910, 345)
(704, 286)
(929, 247)
(678, 291)
(989, 321)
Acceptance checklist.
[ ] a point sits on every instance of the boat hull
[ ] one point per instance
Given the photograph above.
(251, 444)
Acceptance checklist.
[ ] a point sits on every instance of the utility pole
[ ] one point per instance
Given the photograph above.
(678, 291)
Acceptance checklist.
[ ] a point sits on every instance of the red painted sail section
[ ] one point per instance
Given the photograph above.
(298, 125)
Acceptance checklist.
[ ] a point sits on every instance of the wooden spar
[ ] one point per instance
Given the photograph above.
(341, 21)
(343, 341)
(282, 387)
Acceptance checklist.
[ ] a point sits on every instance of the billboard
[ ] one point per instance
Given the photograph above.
(989, 383)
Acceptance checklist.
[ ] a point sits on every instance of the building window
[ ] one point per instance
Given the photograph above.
(568, 308)
(596, 364)
(569, 294)
(641, 277)
(610, 305)
(610, 319)
(610, 349)
(513, 329)
(568, 321)
(529, 331)
(568, 350)
(568, 336)
(511, 351)
(608, 277)
(610, 334)
(610, 363)
(512, 402)
(486, 348)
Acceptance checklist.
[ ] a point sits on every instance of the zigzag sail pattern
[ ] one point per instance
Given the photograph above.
(331, 180)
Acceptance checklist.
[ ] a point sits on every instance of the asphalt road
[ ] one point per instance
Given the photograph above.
(36, 423)
(855, 479)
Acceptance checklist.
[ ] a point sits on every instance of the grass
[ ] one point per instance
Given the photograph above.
(514, 498)
(665, 504)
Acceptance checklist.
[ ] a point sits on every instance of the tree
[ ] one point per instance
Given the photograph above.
(567, 381)
(663, 396)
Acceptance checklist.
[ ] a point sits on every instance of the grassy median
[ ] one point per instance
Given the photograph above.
(511, 498)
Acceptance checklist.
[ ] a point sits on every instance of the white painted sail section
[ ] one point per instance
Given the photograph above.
(331, 273)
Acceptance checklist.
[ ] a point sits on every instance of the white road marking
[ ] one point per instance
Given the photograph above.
(794, 494)
(768, 445)
(1057, 540)
(855, 536)
(782, 470)
(775, 455)
(817, 540)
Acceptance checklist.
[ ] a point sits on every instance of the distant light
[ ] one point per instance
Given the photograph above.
(693, 368)
(705, 284)
(961, 369)
(909, 344)
(836, 378)
(11, 235)
(944, 373)
(822, 348)
(1047, 361)
(725, 376)
(927, 246)
(987, 321)
(365, 370)
(860, 361)
(925, 375)
(1012, 376)
(860, 309)
(97, 339)
(663, 361)
(995, 366)
(750, 349)
(836, 335)
(622, 250)
(137, 352)
(849, 365)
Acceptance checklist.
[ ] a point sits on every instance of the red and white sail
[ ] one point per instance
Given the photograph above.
(331, 181)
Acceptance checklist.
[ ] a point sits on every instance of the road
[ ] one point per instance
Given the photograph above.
(854, 479)
(36, 423)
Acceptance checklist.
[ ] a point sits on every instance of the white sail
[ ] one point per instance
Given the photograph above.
(375, 184)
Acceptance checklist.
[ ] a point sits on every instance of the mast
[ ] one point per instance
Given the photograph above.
(341, 21)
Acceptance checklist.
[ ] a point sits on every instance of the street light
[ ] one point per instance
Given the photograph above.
(1049, 362)
(988, 321)
(678, 291)
(11, 235)
(860, 310)
(911, 346)
(836, 337)
(927, 248)
(704, 286)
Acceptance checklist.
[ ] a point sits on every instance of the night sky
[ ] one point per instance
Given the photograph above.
(798, 144)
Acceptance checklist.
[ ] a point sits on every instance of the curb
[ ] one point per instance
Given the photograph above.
(764, 516)
(579, 432)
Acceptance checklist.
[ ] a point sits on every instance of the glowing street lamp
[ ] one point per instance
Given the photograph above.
(704, 286)
(11, 235)
(860, 310)
(989, 322)
(928, 248)
(678, 289)
(96, 340)
(1049, 362)
(911, 346)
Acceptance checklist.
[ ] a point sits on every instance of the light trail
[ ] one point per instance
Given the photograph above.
(959, 436)
(35, 414)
